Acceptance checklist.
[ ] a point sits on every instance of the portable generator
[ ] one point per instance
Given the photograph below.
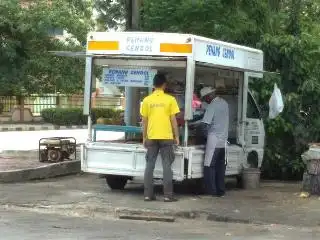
(57, 149)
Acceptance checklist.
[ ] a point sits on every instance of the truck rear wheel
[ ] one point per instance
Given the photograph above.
(239, 181)
(116, 182)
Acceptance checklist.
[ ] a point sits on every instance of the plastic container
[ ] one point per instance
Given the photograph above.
(251, 178)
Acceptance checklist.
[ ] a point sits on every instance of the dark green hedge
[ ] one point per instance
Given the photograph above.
(74, 116)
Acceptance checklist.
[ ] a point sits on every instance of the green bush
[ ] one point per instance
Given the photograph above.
(63, 116)
(74, 116)
(105, 113)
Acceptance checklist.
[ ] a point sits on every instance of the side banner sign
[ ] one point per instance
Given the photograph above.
(128, 77)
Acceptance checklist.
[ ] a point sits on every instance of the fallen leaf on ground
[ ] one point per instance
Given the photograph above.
(304, 195)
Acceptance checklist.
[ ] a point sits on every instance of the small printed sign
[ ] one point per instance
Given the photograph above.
(128, 77)
(139, 44)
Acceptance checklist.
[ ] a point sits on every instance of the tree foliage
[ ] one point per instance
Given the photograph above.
(26, 66)
(231, 20)
(288, 33)
(293, 51)
(110, 14)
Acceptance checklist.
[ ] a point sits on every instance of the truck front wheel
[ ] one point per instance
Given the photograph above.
(116, 182)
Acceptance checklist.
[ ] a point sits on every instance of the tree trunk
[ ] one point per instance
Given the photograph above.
(128, 14)
(315, 184)
(20, 100)
(133, 17)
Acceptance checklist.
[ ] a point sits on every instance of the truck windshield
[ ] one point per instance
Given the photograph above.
(252, 108)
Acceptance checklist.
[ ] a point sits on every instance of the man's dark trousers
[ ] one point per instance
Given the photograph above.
(165, 147)
(215, 174)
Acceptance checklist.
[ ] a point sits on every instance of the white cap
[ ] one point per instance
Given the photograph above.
(206, 91)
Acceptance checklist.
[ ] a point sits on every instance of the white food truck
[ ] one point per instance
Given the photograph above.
(130, 59)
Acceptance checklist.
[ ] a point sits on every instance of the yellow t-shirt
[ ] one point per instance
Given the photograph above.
(158, 108)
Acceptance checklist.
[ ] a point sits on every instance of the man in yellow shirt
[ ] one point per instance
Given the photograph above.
(160, 133)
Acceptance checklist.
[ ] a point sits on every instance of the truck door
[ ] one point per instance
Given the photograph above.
(254, 132)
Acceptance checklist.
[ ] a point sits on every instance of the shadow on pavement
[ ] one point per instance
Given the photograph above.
(184, 188)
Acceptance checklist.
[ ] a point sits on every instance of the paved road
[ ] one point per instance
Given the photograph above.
(88, 195)
(30, 226)
(25, 140)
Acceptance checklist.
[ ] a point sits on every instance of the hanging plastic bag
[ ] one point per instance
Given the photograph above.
(275, 103)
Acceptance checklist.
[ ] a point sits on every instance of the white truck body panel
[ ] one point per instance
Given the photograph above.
(129, 160)
(196, 157)
(125, 160)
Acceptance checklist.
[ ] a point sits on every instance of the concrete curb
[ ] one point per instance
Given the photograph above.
(43, 172)
(144, 214)
(146, 218)
(125, 213)
(28, 154)
(170, 216)
(18, 127)
(219, 218)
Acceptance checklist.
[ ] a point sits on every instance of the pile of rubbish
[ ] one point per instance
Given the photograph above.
(311, 177)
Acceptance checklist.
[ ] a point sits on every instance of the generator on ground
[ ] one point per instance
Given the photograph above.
(57, 149)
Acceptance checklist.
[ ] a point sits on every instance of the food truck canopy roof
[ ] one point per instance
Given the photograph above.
(169, 46)
(174, 45)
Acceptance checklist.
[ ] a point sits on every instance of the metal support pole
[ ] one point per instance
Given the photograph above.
(240, 129)
(87, 95)
(128, 108)
(186, 134)
(244, 105)
(188, 114)
(190, 75)
(89, 138)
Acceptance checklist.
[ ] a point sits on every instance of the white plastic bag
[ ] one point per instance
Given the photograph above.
(275, 103)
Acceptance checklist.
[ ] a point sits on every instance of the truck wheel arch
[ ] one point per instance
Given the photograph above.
(253, 159)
